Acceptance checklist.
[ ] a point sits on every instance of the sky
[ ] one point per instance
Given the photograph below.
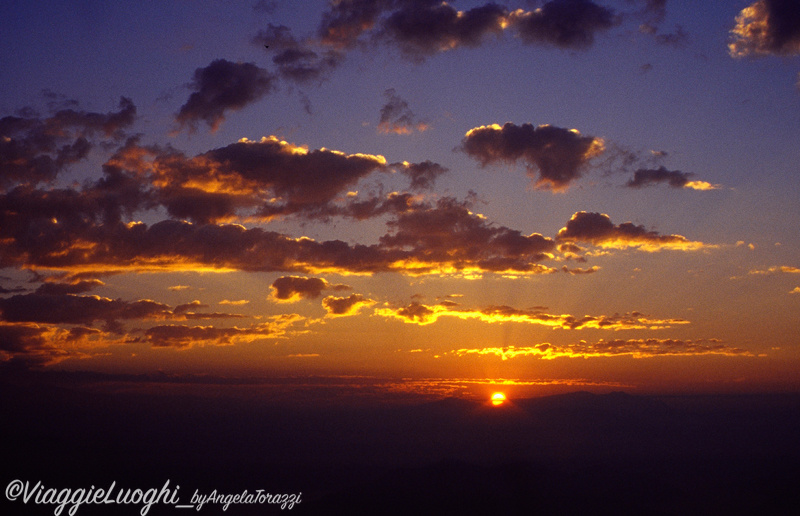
(404, 197)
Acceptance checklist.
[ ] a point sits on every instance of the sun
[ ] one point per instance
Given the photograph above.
(498, 398)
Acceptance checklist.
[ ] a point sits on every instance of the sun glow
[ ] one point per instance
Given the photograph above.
(498, 398)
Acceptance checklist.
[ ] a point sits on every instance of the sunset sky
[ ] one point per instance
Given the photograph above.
(402, 196)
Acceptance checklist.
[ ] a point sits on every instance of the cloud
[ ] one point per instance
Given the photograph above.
(36, 345)
(344, 306)
(276, 176)
(35, 150)
(423, 175)
(598, 229)
(397, 117)
(61, 308)
(448, 237)
(65, 233)
(296, 61)
(554, 156)
(220, 87)
(570, 24)
(292, 288)
(636, 348)
(75, 309)
(777, 269)
(675, 178)
(421, 314)
(425, 28)
(347, 20)
(766, 27)
(795, 290)
(184, 337)
(76, 287)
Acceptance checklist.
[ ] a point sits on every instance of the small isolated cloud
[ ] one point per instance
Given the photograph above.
(293, 288)
(570, 24)
(674, 178)
(795, 290)
(598, 229)
(767, 27)
(220, 87)
(397, 117)
(554, 156)
(343, 306)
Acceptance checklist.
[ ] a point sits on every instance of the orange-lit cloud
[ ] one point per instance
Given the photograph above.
(397, 117)
(451, 235)
(636, 348)
(674, 178)
(421, 314)
(344, 306)
(554, 156)
(181, 336)
(777, 269)
(766, 27)
(422, 29)
(75, 309)
(32, 345)
(597, 229)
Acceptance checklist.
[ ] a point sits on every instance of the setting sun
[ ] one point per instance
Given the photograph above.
(498, 398)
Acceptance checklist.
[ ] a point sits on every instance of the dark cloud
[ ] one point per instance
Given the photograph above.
(75, 309)
(675, 178)
(182, 336)
(296, 61)
(34, 150)
(346, 20)
(65, 308)
(60, 289)
(767, 27)
(397, 117)
(278, 177)
(424, 239)
(36, 345)
(647, 177)
(449, 236)
(343, 306)
(290, 288)
(563, 23)
(220, 87)
(598, 229)
(426, 28)
(554, 156)
(423, 175)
